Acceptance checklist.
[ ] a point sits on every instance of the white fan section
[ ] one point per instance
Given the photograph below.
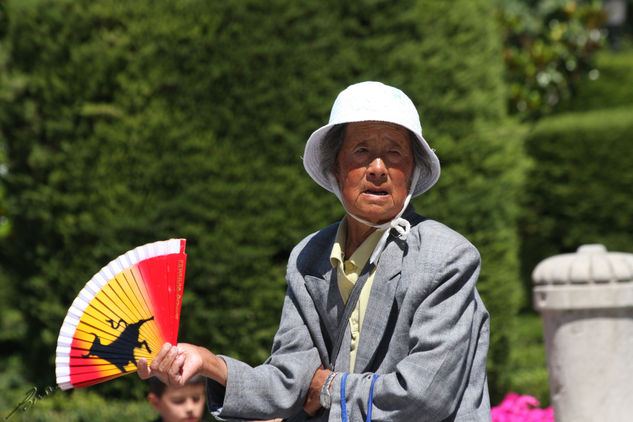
(90, 290)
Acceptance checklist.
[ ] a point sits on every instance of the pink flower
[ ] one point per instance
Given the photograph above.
(518, 408)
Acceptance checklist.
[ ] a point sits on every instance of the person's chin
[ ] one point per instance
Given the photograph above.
(375, 216)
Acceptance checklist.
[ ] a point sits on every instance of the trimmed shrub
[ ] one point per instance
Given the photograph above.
(579, 189)
(129, 122)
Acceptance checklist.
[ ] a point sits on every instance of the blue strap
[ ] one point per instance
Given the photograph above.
(343, 400)
(370, 403)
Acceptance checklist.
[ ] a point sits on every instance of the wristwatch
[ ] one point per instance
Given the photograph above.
(324, 396)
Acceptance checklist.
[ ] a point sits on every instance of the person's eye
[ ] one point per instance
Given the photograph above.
(178, 401)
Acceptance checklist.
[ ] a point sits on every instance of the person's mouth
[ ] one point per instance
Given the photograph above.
(376, 192)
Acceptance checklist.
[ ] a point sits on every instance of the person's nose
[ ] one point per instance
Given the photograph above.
(376, 168)
(190, 407)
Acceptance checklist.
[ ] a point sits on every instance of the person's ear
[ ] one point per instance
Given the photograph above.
(154, 401)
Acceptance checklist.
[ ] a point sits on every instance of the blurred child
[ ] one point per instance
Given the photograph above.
(182, 404)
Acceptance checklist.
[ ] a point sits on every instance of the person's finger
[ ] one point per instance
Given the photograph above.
(174, 371)
(156, 362)
(168, 360)
(189, 368)
(144, 372)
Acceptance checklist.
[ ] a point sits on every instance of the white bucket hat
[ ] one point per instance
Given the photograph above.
(371, 101)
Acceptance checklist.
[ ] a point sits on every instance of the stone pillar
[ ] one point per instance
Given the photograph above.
(586, 302)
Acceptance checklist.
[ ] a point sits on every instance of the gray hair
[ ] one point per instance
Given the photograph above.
(333, 141)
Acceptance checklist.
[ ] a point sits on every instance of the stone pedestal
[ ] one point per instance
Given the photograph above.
(586, 302)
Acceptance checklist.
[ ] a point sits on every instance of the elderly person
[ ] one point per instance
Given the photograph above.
(381, 320)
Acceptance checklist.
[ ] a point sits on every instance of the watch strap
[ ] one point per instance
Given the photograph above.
(324, 397)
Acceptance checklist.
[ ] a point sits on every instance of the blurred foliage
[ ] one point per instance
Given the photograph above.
(4, 222)
(549, 46)
(3, 19)
(130, 122)
(612, 88)
(20, 402)
(577, 192)
(528, 359)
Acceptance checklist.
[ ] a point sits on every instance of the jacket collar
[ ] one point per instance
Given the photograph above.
(320, 281)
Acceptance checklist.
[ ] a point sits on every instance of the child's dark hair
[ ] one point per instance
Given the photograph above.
(157, 387)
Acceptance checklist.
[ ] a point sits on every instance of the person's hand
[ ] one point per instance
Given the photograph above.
(175, 365)
(313, 404)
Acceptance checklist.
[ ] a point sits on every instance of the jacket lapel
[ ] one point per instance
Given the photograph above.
(319, 280)
(327, 301)
(381, 300)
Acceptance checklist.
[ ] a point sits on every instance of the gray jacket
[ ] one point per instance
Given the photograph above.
(425, 333)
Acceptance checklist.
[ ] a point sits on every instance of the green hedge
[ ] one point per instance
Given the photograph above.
(579, 189)
(129, 122)
(528, 358)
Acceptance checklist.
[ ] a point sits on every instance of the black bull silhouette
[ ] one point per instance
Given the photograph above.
(121, 351)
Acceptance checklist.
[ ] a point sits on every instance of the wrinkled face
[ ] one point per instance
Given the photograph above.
(373, 170)
(184, 404)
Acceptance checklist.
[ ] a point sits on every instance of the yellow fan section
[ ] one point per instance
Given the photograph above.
(121, 303)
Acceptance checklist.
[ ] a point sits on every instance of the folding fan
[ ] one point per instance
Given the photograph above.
(127, 310)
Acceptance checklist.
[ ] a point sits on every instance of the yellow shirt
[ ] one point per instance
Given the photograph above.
(348, 272)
